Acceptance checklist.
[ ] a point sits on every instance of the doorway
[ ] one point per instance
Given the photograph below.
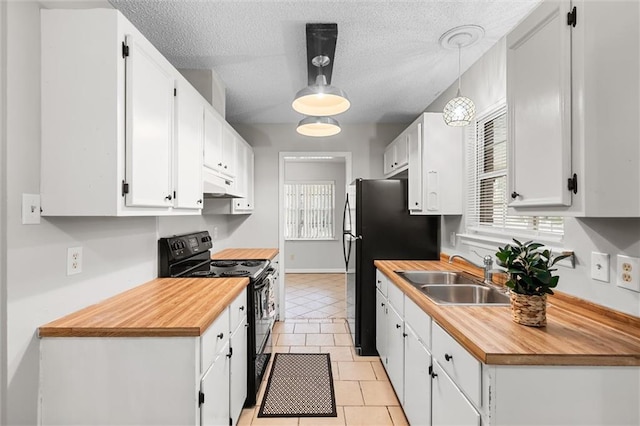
(312, 284)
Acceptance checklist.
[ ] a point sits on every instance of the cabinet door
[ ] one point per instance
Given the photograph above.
(238, 380)
(213, 124)
(449, 406)
(417, 380)
(402, 151)
(539, 107)
(228, 152)
(188, 148)
(241, 169)
(250, 164)
(381, 326)
(149, 125)
(388, 159)
(414, 141)
(395, 351)
(214, 386)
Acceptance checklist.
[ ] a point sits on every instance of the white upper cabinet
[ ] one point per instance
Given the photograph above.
(188, 147)
(244, 179)
(539, 107)
(396, 156)
(213, 124)
(228, 155)
(108, 119)
(573, 97)
(435, 166)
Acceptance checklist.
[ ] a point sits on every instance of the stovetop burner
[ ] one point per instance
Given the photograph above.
(237, 273)
(252, 263)
(208, 274)
(224, 263)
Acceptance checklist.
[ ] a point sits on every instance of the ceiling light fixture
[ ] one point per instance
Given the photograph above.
(321, 99)
(318, 126)
(460, 111)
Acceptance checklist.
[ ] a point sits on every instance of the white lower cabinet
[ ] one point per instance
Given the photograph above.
(417, 379)
(214, 398)
(438, 382)
(190, 380)
(395, 351)
(449, 405)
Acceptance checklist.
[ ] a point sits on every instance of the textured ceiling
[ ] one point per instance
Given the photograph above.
(388, 58)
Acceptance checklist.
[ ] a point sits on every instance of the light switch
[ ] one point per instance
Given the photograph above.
(600, 266)
(30, 209)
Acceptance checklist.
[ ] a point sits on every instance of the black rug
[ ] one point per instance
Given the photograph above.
(300, 385)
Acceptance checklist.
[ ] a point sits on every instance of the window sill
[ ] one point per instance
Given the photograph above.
(311, 239)
(491, 242)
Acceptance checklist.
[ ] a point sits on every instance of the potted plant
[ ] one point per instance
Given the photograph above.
(530, 280)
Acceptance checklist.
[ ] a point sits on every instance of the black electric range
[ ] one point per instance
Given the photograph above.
(189, 256)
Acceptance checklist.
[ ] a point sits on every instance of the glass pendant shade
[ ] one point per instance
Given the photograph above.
(318, 126)
(321, 100)
(459, 111)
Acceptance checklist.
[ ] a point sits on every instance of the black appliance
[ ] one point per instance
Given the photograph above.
(377, 225)
(188, 256)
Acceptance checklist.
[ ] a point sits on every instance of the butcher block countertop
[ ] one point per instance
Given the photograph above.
(578, 332)
(162, 307)
(246, 254)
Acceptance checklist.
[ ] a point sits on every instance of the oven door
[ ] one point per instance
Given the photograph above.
(265, 311)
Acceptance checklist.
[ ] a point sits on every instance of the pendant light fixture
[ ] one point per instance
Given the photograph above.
(318, 126)
(321, 99)
(460, 111)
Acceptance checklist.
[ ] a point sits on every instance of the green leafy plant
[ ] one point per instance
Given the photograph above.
(529, 268)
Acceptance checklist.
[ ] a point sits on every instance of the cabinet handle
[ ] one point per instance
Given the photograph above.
(199, 201)
(433, 375)
(241, 308)
(225, 166)
(379, 281)
(395, 164)
(398, 326)
(448, 357)
(168, 197)
(220, 164)
(416, 203)
(381, 303)
(220, 336)
(514, 195)
(404, 334)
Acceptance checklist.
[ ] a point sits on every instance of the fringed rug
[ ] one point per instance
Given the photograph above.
(300, 385)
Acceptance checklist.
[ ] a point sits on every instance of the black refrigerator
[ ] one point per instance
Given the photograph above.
(377, 225)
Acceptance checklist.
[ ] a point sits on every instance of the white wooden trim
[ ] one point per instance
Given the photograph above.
(3, 211)
(281, 245)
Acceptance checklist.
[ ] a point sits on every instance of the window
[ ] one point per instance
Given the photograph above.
(488, 185)
(309, 210)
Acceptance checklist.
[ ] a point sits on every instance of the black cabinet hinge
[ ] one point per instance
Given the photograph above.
(572, 17)
(230, 421)
(572, 183)
(230, 354)
(200, 398)
(174, 195)
(430, 369)
(125, 50)
(175, 92)
(125, 188)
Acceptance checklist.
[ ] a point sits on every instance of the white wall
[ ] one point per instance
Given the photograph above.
(318, 256)
(485, 84)
(366, 142)
(118, 253)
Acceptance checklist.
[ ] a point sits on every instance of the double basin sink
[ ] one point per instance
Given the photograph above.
(454, 288)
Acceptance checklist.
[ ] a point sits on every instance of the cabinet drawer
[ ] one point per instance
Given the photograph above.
(396, 298)
(213, 340)
(418, 320)
(238, 310)
(381, 282)
(459, 364)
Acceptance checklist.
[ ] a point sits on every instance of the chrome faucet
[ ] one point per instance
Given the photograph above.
(487, 266)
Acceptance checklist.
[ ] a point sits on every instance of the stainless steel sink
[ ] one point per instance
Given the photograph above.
(465, 295)
(419, 278)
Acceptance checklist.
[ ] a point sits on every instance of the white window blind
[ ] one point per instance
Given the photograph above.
(487, 184)
(309, 210)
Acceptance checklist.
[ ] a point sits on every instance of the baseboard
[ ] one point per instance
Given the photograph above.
(315, 271)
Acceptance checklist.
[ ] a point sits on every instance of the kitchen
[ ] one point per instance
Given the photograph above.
(120, 253)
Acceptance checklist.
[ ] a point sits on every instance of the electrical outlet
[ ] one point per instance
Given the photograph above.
(452, 239)
(215, 233)
(629, 272)
(600, 266)
(74, 260)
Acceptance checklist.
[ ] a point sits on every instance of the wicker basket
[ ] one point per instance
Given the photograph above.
(529, 310)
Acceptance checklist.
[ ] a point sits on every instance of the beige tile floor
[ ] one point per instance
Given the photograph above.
(315, 296)
(364, 395)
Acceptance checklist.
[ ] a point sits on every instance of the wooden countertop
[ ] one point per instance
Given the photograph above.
(577, 333)
(159, 308)
(246, 254)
